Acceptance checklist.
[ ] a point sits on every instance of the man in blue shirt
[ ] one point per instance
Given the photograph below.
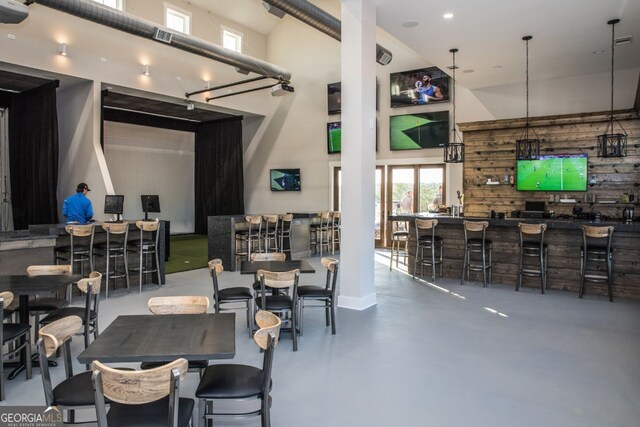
(78, 208)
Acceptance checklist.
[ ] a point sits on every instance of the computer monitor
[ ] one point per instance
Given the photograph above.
(114, 204)
(150, 203)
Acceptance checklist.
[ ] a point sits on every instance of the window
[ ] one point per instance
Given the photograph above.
(176, 19)
(232, 40)
(116, 4)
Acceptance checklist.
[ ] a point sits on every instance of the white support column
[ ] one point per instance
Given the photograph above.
(357, 289)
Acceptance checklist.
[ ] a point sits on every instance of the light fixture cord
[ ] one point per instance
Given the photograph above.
(453, 93)
(527, 85)
(613, 44)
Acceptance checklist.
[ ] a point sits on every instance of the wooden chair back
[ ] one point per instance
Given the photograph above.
(215, 265)
(148, 225)
(138, 387)
(7, 298)
(270, 219)
(597, 232)
(178, 305)
(277, 279)
(116, 228)
(426, 224)
(268, 323)
(268, 256)
(526, 228)
(288, 217)
(57, 333)
(49, 270)
(254, 219)
(94, 279)
(475, 225)
(79, 230)
(329, 263)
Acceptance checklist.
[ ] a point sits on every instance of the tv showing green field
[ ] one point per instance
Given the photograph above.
(564, 172)
(418, 131)
(334, 137)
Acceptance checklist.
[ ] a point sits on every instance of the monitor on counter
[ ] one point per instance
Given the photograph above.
(150, 203)
(114, 204)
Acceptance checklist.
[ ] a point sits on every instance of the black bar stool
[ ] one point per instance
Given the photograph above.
(336, 230)
(533, 248)
(595, 250)
(115, 247)
(248, 239)
(270, 233)
(145, 246)
(426, 239)
(480, 245)
(80, 249)
(399, 237)
(284, 233)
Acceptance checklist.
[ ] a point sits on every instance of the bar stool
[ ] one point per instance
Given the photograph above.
(145, 246)
(426, 239)
(399, 235)
(321, 232)
(284, 233)
(270, 234)
(115, 247)
(596, 252)
(335, 226)
(476, 245)
(247, 240)
(535, 249)
(80, 249)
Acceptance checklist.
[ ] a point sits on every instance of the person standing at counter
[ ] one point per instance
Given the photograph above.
(78, 208)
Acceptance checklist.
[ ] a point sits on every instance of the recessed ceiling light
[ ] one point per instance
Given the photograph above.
(598, 52)
(410, 24)
(468, 71)
(448, 15)
(497, 67)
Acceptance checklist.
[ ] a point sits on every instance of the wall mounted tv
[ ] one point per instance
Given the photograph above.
(334, 98)
(562, 172)
(417, 131)
(419, 87)
(285, 180)
(334, 137)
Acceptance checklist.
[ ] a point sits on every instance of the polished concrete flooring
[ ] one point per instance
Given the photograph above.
(431, 355)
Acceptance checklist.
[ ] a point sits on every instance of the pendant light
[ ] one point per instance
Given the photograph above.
(454, 147)
(528, 148)
(612, 144)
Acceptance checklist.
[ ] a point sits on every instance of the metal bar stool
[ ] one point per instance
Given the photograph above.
(284, 233)
(426, 239)
(476, 245)
(248, 239)
(399, 235)
(534, 249)
(80, 249)
(336, 230)
(322, 232)
(598, 253)
(270, 234)
(115, 247)
(147, 245)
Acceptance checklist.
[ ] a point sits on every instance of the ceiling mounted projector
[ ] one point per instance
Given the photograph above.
(281, 89)
(12, 12)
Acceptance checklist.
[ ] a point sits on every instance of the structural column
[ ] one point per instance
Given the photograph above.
(357, 289)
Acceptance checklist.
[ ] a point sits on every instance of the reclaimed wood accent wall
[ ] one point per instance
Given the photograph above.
(490, 153)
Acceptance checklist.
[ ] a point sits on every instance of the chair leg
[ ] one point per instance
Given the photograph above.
(519, 281)
(583, 268)
(609, 277)
(333, 318)
(202, 404)
(326, 313)
(464, 263)
(265, 415)
(294, 330)
(301, 317)
(28, 351)
(542, 271)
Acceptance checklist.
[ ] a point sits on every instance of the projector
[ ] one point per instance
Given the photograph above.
(281, 89)
(12, 12)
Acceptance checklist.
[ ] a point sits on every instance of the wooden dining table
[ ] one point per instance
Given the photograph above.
(252, 267)
(164, 338)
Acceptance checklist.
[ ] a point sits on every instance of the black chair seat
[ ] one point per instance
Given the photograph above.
(11, 331)
(47, 304)
(314, 292)
(65, 312)
(77, 390)
(114, 246)
(193, 364)
(239, 293)
(600, 249)
(152, 414)
(427, 238)
(145, 243)
(77, 249)
(478, 241)
(276, 302)
(230, 382)
(533, 245)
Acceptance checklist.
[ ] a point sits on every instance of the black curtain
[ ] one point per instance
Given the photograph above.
(33, 156)
(219, 183)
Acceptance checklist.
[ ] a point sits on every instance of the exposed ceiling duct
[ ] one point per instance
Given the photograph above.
(92, 11)
(318, 19)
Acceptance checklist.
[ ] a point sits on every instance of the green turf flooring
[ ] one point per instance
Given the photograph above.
(188, 252)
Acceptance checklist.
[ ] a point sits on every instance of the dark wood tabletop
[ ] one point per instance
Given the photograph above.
(163, 338)
(36, 285)
(251, 267)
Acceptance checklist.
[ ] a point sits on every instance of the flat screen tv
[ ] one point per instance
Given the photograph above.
(113, 204)
(334, 98)
(334, 137)
(419, 87)
(417, 131)
(285, 179)
(150, 203)
(561, 172)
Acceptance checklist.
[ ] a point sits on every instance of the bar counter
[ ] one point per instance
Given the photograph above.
(564, 238)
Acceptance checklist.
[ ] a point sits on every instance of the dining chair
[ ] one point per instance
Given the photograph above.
(16, 334)
(178, 305)
(74, 391)
(267, 256)
(141, 398)
(40, 306)
(325, 294)
(229, 295)
(240, 382)
(283, 304)
(90, 287)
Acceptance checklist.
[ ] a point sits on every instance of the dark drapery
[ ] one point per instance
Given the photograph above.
(33, 156)
(219, 183)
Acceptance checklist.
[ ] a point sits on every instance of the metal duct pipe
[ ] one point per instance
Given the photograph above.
(321, 20)
(92, 11)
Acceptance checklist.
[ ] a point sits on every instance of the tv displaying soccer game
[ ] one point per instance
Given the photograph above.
(334, 137)
(417, 131)
(285, 180)
(419, 87)
(562, 172)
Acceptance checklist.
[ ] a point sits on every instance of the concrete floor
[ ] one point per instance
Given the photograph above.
(431, 355)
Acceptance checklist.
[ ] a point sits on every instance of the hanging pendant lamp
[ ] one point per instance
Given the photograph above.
(454, 147)
(612, 144)
(528, 146)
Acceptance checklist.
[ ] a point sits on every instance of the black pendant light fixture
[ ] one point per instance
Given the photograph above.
(611, 144)
(454, 147)
(528, 146)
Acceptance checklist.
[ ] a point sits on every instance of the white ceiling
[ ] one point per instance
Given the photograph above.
(489, 34)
